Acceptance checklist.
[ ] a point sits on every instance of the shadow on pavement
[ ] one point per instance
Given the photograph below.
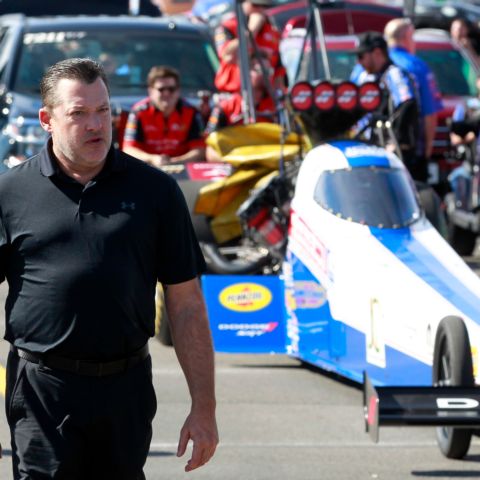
(447, 473)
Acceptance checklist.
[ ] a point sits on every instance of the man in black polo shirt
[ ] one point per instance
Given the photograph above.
(85, 233)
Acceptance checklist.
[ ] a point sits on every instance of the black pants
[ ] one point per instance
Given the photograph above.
(71, 427)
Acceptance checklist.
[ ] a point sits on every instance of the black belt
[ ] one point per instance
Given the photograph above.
(83, 367)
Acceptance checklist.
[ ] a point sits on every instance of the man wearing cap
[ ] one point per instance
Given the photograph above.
(399, 104)
(399, 35)
(263, 33)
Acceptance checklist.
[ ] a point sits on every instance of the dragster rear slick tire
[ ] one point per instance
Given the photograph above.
(452, 366)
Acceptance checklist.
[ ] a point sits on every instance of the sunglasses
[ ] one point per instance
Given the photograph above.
(167, 89)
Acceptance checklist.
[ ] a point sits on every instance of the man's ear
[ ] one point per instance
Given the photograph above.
(45, 119)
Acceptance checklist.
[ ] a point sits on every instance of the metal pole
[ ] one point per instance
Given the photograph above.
(248, 105)
(313, 39)
(321, 38)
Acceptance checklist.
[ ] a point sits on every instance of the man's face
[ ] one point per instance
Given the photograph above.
(374, 61)
(80, 123)
(164, 94)
(409, 41)
(366, 60)
(458, 30)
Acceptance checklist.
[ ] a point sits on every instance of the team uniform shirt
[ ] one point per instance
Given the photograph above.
(430, 97)
(267, 40)
(149, 130)
(399, 89)
(229, 112)
(82, 262)
(467, 110)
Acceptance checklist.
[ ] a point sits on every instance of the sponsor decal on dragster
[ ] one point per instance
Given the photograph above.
(249, 329)
(358, 154)
(308, 247)
(245, 297)
(246, 313)
(309, 294)
(343, 348)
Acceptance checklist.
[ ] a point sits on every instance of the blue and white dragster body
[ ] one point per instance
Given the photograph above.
(369, 290)
(367, 277)
(365, 282)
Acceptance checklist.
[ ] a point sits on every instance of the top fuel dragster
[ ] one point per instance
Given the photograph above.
(350, 275)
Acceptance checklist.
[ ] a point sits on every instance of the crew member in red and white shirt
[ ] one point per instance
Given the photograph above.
(266, 38)
(163, 128)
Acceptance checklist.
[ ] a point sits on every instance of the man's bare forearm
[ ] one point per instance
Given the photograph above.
(192, 341)
(193, 155)
(430, 130)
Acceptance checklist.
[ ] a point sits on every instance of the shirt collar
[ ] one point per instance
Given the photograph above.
(178, 106)
(398, 49)
(49, 166)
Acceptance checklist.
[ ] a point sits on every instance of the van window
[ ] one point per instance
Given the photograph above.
(127, 63)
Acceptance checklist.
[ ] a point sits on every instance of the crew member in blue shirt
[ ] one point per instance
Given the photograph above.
(400, 103)
(399, 36)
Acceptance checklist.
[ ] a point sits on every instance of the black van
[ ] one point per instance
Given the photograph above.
(34, 8)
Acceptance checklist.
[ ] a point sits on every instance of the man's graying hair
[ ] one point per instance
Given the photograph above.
(84, 69)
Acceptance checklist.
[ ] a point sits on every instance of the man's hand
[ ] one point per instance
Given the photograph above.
(194, 348)
(160, 160)
(201, 428)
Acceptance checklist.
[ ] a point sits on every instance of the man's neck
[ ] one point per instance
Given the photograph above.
(79, 173)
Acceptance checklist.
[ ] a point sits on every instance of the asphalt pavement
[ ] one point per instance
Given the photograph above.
(280, 420)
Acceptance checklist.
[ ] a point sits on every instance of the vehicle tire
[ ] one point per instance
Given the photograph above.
(201, 223)
(452, 366)
(162, 328)
(432, 206)
(463, 241)
(234, 264)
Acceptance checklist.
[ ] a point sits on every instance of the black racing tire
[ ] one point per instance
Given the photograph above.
(463, 241)
(162, 327)
(432, 206)
(201, 223)
(452, 366)
(219, 263)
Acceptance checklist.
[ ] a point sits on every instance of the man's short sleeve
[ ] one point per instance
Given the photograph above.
(195, 134)
(133, 131)
(459, 113)
(399, 85)
(3, 250)
(430, 98)
(180, 257)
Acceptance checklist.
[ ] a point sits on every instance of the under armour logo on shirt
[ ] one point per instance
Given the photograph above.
(128, 205)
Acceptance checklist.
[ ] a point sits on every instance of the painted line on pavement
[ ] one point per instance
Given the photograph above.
(3, 380)
(158, 446)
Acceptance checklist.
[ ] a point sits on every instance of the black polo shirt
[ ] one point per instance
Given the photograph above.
(82, 262)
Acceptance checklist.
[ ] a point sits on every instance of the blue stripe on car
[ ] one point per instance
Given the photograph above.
(424, 264)
(379, 159)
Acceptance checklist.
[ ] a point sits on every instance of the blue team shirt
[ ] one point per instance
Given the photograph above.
(430, 98)
(397, 82)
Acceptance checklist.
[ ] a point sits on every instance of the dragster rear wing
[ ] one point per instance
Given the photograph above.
(419, 406)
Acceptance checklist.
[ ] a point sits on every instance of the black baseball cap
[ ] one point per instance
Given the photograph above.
(368, 41)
